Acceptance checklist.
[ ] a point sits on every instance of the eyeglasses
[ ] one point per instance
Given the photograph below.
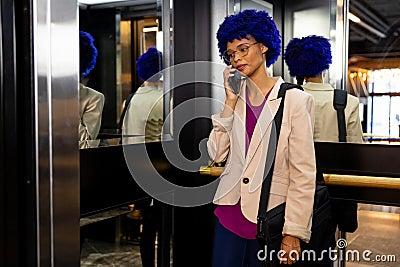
(242, 50)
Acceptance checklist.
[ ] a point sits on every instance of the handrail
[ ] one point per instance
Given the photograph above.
(333, 179)
(211, 170)
(362, 181)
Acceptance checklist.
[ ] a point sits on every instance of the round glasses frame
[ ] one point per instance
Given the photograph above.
(242, 50)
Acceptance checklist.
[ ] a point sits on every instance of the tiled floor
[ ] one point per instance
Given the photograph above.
(378, 231)
(100, 253)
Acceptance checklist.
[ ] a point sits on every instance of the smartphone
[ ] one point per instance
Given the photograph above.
(235, 81)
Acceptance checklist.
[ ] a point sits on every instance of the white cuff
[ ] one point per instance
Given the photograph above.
(296, 230)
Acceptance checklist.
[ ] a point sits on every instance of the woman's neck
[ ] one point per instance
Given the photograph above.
(155, 84)
(260, 82)
(316, 79)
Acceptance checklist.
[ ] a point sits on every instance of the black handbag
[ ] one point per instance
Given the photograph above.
(270, 224)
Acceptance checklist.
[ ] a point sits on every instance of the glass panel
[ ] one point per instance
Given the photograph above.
(378, 110)
(311, 18)
(394, 116)
(122, 32)
(383, 115)
(314, 20)
(373, 52)
(311, 21)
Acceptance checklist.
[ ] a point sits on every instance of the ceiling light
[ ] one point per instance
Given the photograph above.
(353, 18)
(150, 29)
(357, 20)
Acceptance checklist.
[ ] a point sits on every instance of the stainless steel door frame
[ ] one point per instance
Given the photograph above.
(55, 85)
(340, 25)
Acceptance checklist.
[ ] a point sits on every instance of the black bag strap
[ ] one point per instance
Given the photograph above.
(271, 153)
(127, 101)
(339, 103)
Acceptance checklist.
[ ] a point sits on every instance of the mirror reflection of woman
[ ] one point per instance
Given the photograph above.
(144, 116)
(250, 42)
(91, 102)
(144, 121)
(307, 59)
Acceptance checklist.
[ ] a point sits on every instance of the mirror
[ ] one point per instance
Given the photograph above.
(319, 34)
(322, 18)
(368, 64)
(365, 49)
(122, 32)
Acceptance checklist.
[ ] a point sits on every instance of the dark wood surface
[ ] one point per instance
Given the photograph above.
(361, 159)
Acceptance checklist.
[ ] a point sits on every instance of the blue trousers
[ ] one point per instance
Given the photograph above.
(231, 250)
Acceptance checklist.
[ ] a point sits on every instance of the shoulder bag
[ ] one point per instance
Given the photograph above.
(270, 224)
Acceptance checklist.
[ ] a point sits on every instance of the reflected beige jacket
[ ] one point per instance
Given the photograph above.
(293, 178)
(326, 126)
(144, 116)
(91, 105)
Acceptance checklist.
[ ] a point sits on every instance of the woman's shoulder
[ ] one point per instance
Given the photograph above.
(89, 96)
(87, 91)
(298, 94)
(298, 100)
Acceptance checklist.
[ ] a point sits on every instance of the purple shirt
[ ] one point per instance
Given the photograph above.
(231, 216)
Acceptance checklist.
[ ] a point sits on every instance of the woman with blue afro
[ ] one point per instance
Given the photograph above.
(144, 115)
(91, 101)
(307, 59)
(149, 65)
(143, 122)
(249, 42)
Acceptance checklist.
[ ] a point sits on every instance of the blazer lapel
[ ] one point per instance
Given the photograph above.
(264, 122)
(239, 129)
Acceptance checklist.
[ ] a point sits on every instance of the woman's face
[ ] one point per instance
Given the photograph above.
(246, 55)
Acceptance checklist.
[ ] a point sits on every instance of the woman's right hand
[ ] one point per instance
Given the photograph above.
(231, 97)
(230, 94)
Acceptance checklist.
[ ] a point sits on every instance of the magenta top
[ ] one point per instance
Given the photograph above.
(231, 216)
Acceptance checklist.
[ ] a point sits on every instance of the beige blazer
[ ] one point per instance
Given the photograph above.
(326, 126)
(144, 116)
(91, 105)
(293, 178)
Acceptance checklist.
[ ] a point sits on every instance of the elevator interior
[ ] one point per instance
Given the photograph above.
(58, 185)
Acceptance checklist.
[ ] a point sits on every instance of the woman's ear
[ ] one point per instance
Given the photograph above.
(264, 49)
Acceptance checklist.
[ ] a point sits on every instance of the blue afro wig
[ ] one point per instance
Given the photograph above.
(308, 56)
(149, 64)
(257, 24)
(88, 53)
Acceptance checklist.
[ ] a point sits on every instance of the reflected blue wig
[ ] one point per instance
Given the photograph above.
(87, 52)
(258, 24)
(308, 56)
(149, 64)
